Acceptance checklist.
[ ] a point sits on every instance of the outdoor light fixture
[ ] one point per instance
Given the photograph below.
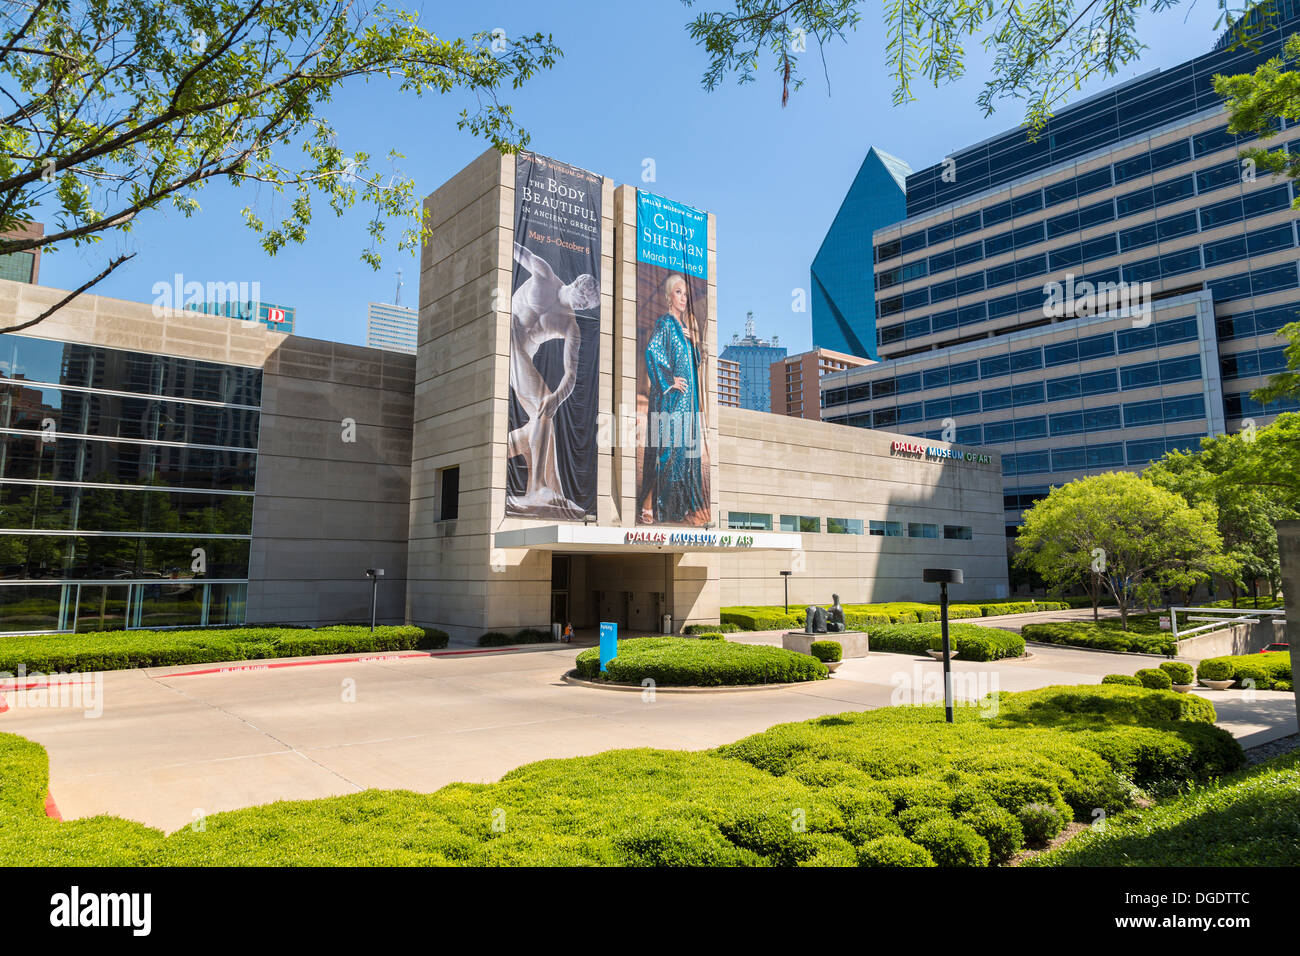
(588, 519)
(944, 577)
(374, 574)
(785, 575)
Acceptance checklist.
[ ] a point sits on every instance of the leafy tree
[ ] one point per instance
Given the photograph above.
(1247, 514)
(119, 108)
(1133, 534)
(1042, 50)
(1273, 464)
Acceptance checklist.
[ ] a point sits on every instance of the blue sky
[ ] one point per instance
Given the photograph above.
(627, 89)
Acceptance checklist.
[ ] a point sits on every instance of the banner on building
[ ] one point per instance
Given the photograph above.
(554, 341)
(672, 365)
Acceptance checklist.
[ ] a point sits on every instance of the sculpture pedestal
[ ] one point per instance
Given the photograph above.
(853, 643)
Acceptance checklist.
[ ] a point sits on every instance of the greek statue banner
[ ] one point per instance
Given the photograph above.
(554, 341)
(672, 364)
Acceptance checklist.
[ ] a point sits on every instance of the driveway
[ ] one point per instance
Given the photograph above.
(173, 744)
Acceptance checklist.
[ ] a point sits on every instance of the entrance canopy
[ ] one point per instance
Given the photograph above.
(590, 539)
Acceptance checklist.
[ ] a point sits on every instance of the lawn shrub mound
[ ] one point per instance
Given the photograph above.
(1129, 680)
(118, 650)
(826, 651)
(1250, 818)
(689, 662)
(1154, 678)
(1178, 671)
(1270, 671)
(1143, 636)
(870, 616)
(972, 642)
(710, 629)
(892, 787)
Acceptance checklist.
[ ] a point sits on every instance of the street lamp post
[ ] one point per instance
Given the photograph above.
(785, 575)
(374, 574)
(943, 577)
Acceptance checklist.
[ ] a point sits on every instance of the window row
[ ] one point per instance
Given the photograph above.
(1241, 405)
(64, 411)
(1091, 457)
(124, 510)
(1170, 332)
(1077, 187)
(804, 524)
(79, 608)
(109, 557)
(31, 458)
(1254, 362)
(1062, 258)
(1245, 325)
(93, 366)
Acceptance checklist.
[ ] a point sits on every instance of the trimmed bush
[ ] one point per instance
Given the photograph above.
(1143, 636)
(120, 650)
(529, 635)
(826, 651)
(1127, 680)
(869, 616)
(1040, 823)
(685, 661)
(893, 851)
(1214, 668)
(952, 843)
(710, 636)
(1264, 669)
(710, 629)
(972, 642)
(761, 618)
(1179, 672)
(1004, 834)
(1153, 678)
(495, 639)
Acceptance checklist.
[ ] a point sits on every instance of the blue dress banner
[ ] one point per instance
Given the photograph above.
(608, 643)
(672, 235)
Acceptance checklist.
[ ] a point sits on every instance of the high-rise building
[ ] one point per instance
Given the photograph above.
(392, 327)
(796, 381)
(1093, 298)
(24, 266)
(843, 294)
(277, 318)
(754, 356)
(728, 383)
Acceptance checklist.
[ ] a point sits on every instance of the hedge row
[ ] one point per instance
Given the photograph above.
(1144, 634)
(529, 635)
(119, 650)
(1271, 671)
(971, 641)
(868, 616)
(691, 662)
(892, 787)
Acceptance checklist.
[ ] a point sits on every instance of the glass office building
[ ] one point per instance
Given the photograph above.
(392, 327)
(753, 357)
(1140, 186)
(126, 487)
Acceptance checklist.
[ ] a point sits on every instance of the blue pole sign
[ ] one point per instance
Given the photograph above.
(608, 643)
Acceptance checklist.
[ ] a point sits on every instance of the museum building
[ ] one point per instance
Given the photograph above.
(553, 452)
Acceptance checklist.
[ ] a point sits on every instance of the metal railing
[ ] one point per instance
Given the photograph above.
(1227, 616)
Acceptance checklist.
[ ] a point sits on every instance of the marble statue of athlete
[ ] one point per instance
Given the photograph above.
(541, 309)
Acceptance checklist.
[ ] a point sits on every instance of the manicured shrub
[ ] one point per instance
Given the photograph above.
(1040, 822)
(117, 650)
(913, 818)
(826, 651)
(1144, 634)
(679, 843)
(1153, 678)
(1214, 668)
(685, 661)
(1179, 672)
(709, 636)
(1280, 684)
(710, 629)
(495, 639)
(952, 843)
(1128, 680)
(529, 635)
(893, 851)
(972, 642)
(862, 829)
(761, 618)
(1000, 829)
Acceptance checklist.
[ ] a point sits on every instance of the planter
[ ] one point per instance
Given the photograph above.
(1182, 688)
(832, 666)
(938, 655)
(1218, 684)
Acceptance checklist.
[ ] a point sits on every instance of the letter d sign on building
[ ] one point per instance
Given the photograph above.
(608, 643)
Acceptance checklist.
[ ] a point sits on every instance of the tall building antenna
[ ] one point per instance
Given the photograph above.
(749, 325)
(397, 299)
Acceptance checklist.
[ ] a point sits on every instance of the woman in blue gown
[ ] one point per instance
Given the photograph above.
(672, 472)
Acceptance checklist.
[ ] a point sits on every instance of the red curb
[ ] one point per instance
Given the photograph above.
(3, 706)
(51, 808)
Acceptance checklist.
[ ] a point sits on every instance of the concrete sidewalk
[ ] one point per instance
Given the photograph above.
(173, 744)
